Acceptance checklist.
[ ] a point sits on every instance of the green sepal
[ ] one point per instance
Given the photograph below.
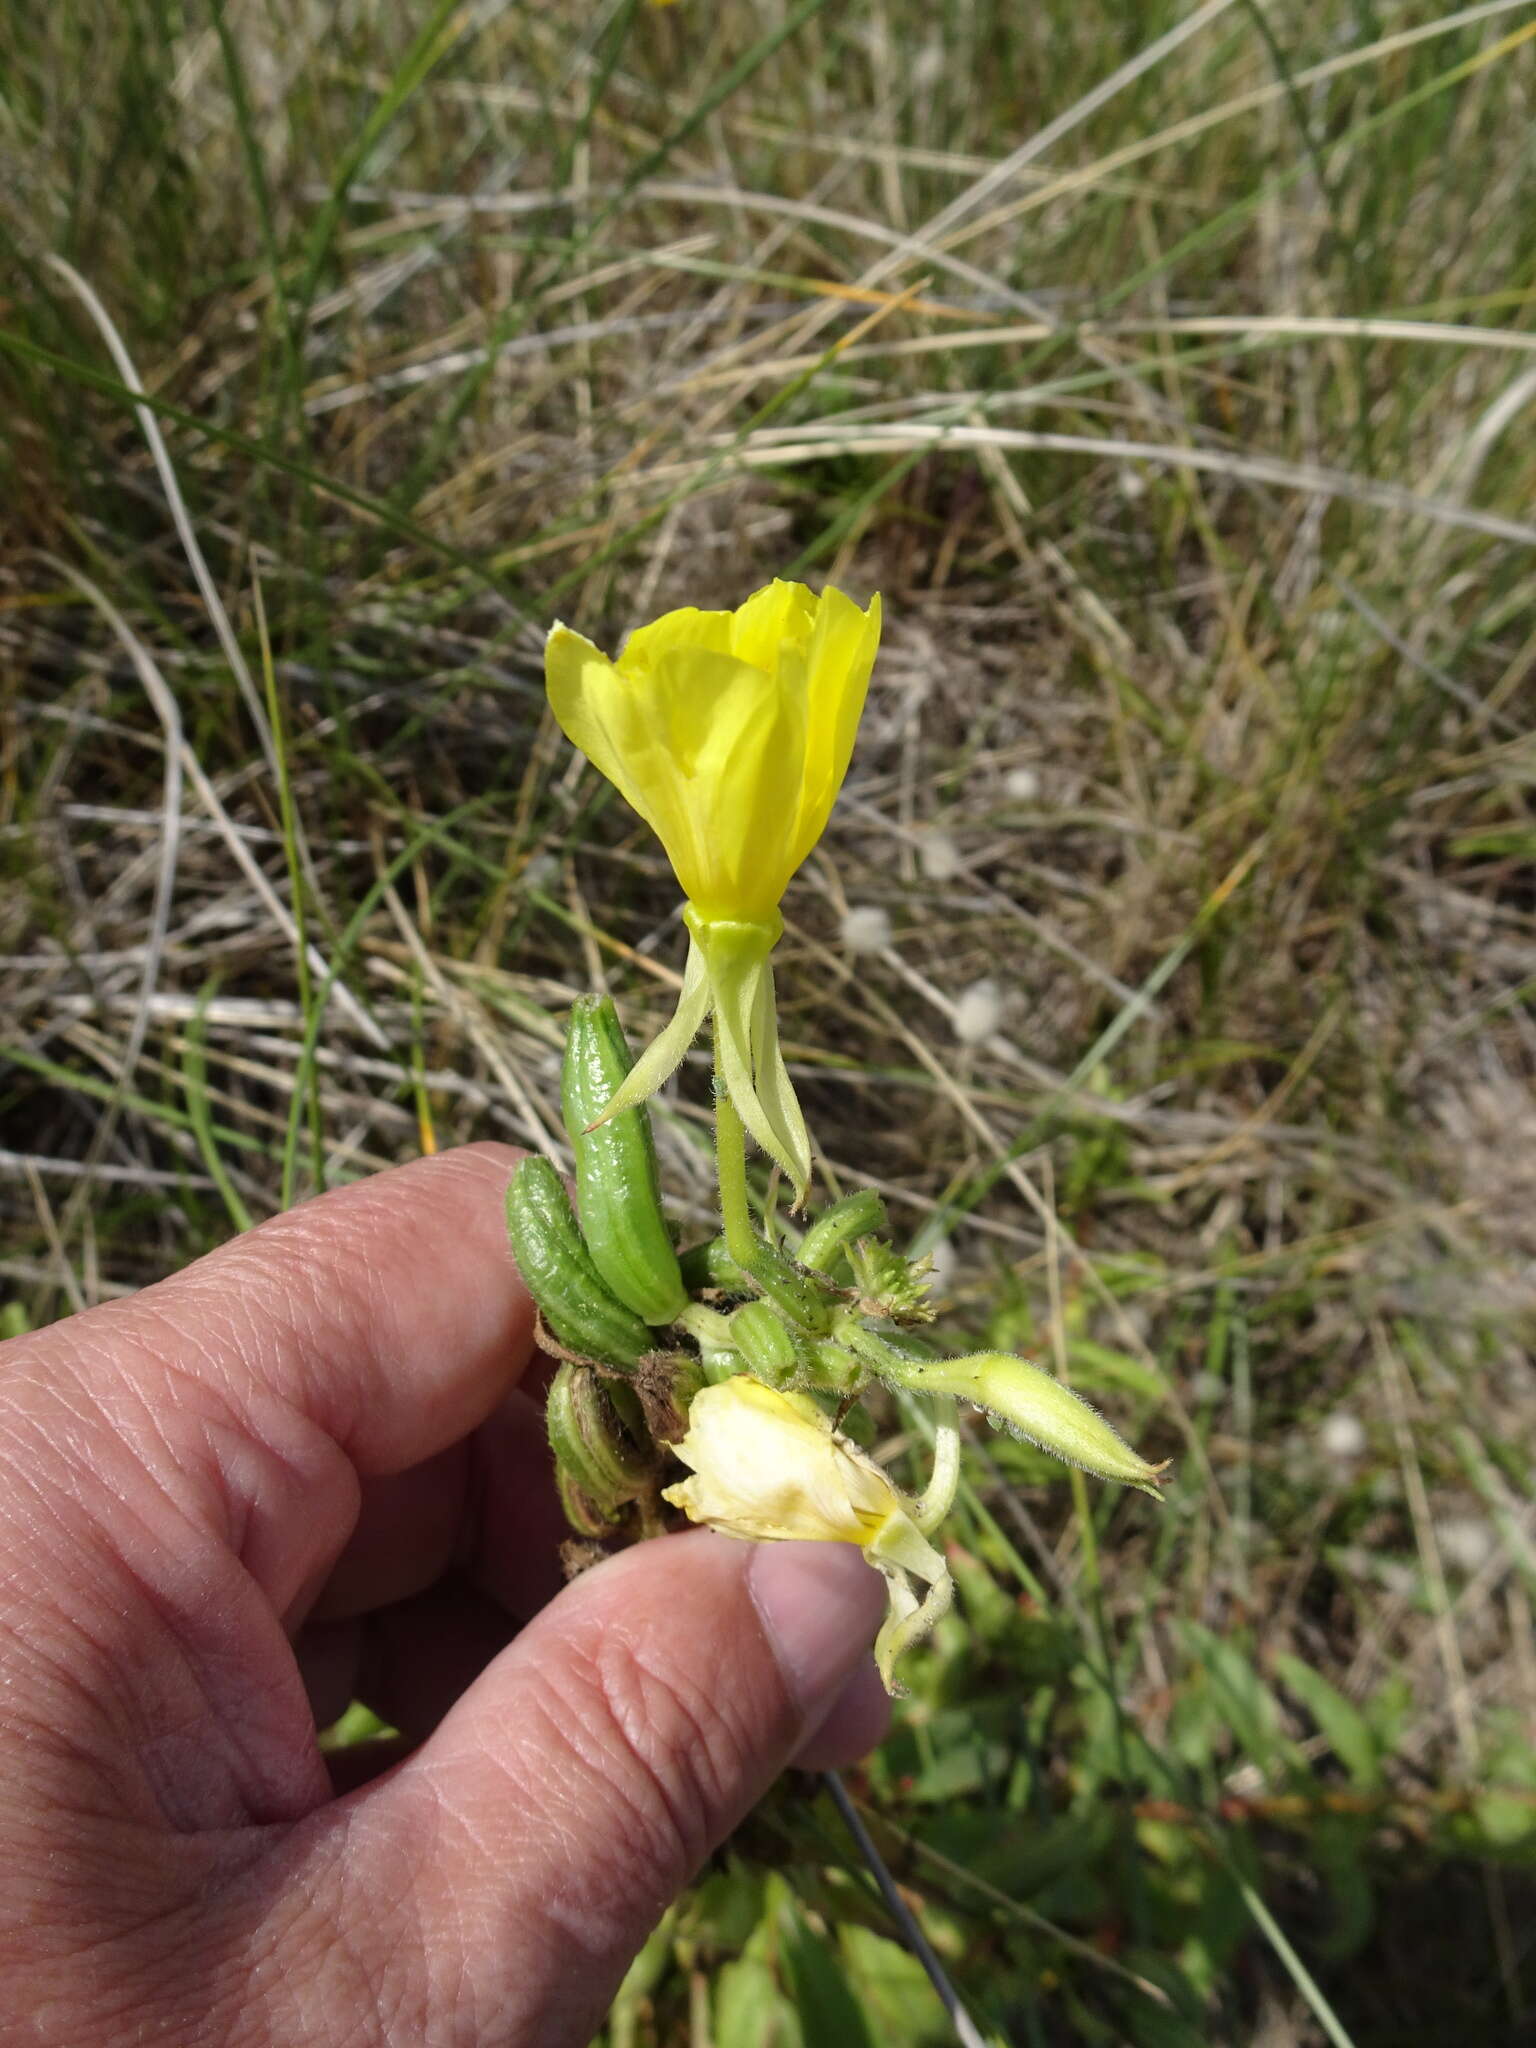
(664, 1055)
(735, 955)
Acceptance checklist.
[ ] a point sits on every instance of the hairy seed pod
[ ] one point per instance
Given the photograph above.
(616, 1186)
(589, 1443)
(796, 1293)
(768, 1350)
(710, 1265)
(581, 1310)
(857, 1215)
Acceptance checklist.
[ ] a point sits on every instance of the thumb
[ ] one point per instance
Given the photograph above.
(580, 1782)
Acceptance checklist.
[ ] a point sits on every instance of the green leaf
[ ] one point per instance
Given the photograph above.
(750, 2009)
(1349, 1733)
(830, 2015)
(1248, 1706)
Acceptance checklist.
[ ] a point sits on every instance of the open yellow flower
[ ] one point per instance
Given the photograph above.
(730, 733)
(768, 1465)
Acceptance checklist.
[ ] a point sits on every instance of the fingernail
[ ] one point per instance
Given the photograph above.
(820, 1605)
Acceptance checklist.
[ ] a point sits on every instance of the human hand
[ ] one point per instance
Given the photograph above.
(301, 1470)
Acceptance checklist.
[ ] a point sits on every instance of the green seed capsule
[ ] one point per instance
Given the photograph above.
(588, 1441)
(581, 1311)
(768, 1350)
(616, 1186)
(857, 1215)
(790, 1289)
(711, 1265)
(583, 1513)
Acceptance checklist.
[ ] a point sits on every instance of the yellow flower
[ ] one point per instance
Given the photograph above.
(769, 1466)
(730, 733)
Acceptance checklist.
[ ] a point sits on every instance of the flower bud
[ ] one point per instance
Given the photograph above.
(767, 1348)
(1029, 1401)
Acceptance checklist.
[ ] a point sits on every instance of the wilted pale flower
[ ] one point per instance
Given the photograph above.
(768, 1465)
(730, 733)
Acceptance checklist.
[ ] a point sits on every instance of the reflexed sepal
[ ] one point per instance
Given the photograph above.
(736, 963)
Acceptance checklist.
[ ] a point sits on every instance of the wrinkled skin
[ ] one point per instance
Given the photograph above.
(304, 1469)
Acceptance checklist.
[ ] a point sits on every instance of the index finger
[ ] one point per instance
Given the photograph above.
(388, 1313)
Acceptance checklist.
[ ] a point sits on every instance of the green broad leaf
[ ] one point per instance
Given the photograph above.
(1240, 1695)
(893, 1990)
(751, 2011)
(829, 2012)
(1505, 1819)
(1338, 1850)
(1092, 1365)
(724, 1907)
(1349, 1734)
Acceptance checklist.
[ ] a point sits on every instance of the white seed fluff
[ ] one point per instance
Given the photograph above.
(1022, 785)
(979, 1012)
(867, 929)
(939, 857)
(1466, 1542)
(1342, 1436)
(946, 1263)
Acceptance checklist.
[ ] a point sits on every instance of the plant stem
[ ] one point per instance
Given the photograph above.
(741, 1239)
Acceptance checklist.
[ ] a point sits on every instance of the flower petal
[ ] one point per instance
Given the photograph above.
(840, 658)
(594, 708)
(710, 632)
(778, 614)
